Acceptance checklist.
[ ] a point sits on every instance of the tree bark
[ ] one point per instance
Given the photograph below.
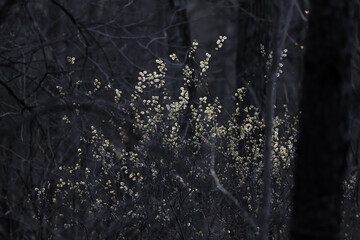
(323, 139)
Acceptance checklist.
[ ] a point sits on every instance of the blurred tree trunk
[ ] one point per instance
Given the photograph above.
(179, 42)
(179, 38)
(323, 138)
(253, 30)
(178, 34)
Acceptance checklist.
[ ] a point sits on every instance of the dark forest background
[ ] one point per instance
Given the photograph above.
(85, 154)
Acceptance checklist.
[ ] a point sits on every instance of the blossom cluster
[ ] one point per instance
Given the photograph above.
(165, 170)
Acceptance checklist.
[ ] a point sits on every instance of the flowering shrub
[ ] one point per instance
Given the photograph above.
(161, 187)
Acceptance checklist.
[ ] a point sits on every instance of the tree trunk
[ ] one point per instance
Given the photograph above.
(253, 29)
(323, 139)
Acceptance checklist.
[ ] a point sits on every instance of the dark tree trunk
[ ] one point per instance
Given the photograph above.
(179, 41)
(323, 138)
(253, 30)
(179, 38)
